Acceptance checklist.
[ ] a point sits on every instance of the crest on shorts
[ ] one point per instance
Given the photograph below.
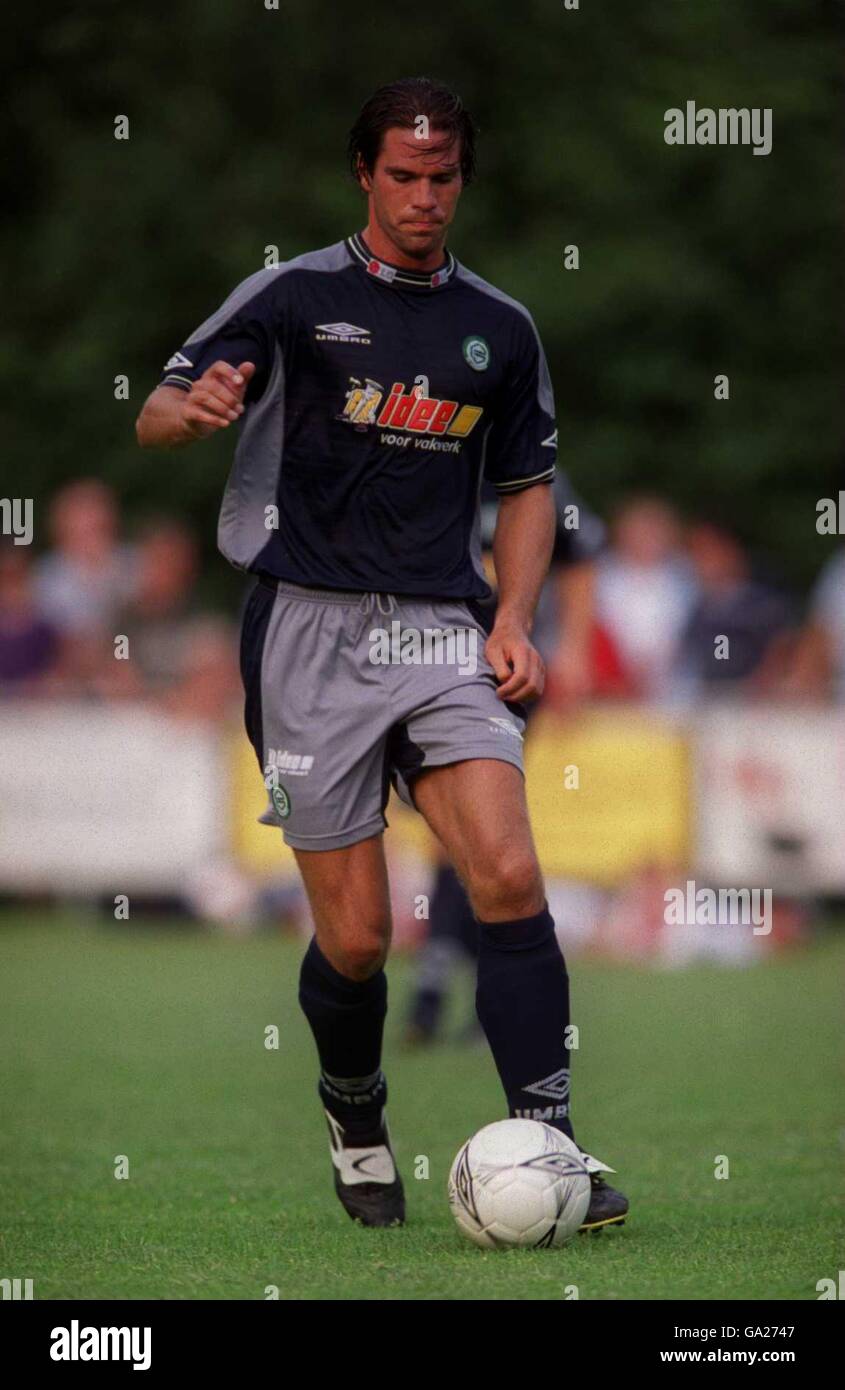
(280, 800)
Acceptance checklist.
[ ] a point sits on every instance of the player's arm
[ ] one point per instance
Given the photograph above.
(520, 464)
(522, 550)
(172, 417)
(221, 369)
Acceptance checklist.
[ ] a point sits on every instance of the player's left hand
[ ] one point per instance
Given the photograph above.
(518, 666)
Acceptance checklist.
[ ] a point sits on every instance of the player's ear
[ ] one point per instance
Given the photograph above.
(364, 176)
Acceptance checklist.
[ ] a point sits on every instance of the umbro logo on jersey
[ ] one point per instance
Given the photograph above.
(551, 442)
(341, 333)
(178, 360)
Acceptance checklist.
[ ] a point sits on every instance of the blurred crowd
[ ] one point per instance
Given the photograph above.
(98, 617)
(677, 612)
(681, 612)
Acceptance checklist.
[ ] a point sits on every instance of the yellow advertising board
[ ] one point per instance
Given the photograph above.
(609, 793)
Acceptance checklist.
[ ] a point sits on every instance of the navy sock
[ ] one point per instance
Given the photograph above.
(347, 1020)
(522, 1002)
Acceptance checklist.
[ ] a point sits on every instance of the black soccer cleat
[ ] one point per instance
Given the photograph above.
(365, 1176)
(607, 1206)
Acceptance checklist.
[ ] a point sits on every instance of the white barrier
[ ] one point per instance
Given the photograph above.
(110, 799)
(769, 797)
(106, 799)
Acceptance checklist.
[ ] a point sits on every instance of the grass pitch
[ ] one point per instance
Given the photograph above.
(137, 1041)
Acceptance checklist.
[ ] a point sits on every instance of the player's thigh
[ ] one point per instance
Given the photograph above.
(478, 811)
(350, 903)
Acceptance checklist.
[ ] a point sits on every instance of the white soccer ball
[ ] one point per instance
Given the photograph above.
(519, 1182)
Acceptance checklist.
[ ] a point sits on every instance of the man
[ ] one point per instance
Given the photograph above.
(741, 626)
(375, 383)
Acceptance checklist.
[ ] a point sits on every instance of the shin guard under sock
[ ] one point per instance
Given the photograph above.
(522, 1000)
(347, 1020)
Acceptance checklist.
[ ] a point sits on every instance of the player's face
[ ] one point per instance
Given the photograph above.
(413, 193)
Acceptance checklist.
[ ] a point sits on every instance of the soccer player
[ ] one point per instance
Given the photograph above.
(373, 384)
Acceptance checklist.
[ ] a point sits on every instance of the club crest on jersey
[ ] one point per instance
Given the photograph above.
(366, 405)
(476, 353)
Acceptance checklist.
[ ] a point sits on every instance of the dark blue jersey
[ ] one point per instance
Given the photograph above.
(382, 399)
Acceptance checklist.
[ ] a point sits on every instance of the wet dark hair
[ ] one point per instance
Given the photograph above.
(399, 104)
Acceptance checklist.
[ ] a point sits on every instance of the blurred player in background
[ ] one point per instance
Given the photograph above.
(374, 384)
(740, 630)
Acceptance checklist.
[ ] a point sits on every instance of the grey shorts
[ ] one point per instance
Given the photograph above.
(348, 692)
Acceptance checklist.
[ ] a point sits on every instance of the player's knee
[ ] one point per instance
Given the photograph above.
(510, 886)
(362, 956)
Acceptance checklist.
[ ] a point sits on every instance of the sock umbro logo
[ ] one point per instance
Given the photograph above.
(555, 1086)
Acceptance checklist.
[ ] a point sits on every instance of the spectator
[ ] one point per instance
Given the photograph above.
(818, 667)
(739, 630)
(182, 656)
(644, 595)
(210, 687)
(29, 644)
(83, 581)
(161, 615)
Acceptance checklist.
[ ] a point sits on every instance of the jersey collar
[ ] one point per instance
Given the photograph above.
(397, 275)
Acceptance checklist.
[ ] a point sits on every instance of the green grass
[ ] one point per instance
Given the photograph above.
(122, 1040)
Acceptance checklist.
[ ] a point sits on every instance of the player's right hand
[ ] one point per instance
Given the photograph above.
(217, 399)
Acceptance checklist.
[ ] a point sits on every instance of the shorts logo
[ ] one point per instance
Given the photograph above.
(177, 360)
(476, 353)
(504, 726)
(294, 764)
(341, 333)
(280, 800)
